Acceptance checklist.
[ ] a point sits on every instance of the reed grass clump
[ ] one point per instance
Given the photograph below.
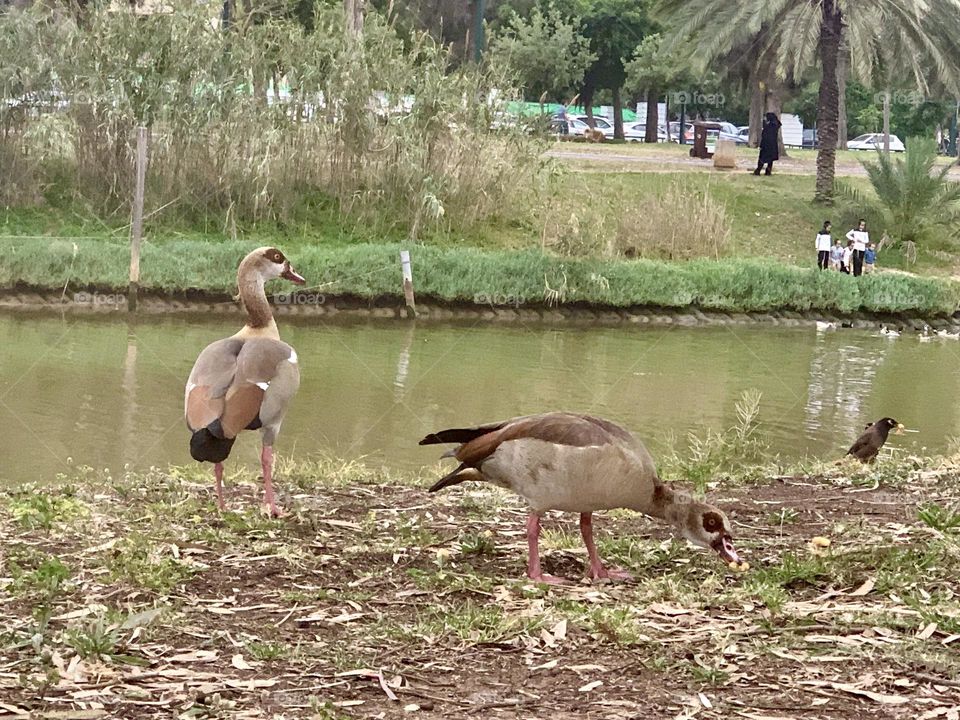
(252, 120)
(678, 223)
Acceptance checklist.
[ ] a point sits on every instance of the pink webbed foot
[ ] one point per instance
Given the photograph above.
(273, 510)
(603, 573)
(549, 579)
(597, 570)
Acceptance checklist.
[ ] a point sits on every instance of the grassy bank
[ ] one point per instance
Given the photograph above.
(471, 275)
(132, 596)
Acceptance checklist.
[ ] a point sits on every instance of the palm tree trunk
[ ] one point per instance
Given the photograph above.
(757, 92)
(828, 101)
(842, 72)
(653, 115)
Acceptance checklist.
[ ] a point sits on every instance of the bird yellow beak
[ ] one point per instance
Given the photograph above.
(899, 429)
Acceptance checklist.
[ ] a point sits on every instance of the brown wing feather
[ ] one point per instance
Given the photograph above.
(228, 382)
(241, 408)
(201, 408)
(558, 428)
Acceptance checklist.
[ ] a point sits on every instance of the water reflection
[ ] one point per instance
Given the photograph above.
(842, 378)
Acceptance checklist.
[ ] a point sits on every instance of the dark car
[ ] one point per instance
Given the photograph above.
(810, 138)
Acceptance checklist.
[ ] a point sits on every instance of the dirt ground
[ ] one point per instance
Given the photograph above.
(637, 157)
(135, 598)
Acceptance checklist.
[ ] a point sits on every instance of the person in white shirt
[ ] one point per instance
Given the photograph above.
(847, 258)
(823, 246)
(860, 238)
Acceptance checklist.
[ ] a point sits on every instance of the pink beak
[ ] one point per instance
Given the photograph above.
(724, 548)
(292, 275)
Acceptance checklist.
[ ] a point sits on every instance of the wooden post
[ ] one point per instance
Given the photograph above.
(408, 283)
(136, 227)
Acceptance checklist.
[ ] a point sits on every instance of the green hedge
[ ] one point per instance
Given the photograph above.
(471, 275)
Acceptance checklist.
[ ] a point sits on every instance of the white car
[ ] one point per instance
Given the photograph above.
(874, 141)
(579, 123)
(729, 131)
(637, 132)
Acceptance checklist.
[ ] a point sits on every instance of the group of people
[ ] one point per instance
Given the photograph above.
(859, 256)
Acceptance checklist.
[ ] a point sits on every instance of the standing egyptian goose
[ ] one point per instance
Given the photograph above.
(874, 436)
(245, 381)
(577, 463)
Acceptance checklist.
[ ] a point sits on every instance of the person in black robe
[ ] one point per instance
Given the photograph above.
(769, 143)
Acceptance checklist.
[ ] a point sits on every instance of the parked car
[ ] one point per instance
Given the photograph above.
(743, 131)
(810, 138)
(729, 131)
(675, 132)
(579, 123)
(637, 132)
(874, 141)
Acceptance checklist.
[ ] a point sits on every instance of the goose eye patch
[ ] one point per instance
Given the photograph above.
(711, 522)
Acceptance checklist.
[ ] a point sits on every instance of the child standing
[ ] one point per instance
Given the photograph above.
(859, 237)
(847, 260)
(836, 255)
(823, 246)
(869, 258)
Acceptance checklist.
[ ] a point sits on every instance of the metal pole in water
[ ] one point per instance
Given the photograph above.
(136, 227)
(408, 283)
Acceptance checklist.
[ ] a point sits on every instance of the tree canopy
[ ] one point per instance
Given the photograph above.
(547, 52)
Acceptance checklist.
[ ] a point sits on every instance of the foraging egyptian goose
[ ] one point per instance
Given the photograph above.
(577, 463)
(245, 381)
(868, 445)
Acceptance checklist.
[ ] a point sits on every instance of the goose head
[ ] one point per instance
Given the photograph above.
(707, 527)
(270, 263)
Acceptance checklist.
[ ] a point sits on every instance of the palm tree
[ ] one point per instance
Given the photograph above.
(804, 33)
(914, 201)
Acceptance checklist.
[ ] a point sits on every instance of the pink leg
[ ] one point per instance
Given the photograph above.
(533, 561)
(218, 474)
(266, 465)
(597, 570)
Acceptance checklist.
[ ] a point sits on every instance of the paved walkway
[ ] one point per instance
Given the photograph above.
(669, 162)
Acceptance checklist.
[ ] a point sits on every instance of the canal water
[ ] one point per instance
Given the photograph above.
(106, 393)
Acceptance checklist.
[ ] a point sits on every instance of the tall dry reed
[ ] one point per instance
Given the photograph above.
(383, 130)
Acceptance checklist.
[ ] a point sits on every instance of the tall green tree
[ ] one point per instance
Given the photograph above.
(654, 69)
(615, 28)
(808, 33)
(546, 52)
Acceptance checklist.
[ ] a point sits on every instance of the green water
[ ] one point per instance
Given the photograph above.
(104, 393)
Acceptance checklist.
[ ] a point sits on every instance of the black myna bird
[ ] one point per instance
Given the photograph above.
(867, 446)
